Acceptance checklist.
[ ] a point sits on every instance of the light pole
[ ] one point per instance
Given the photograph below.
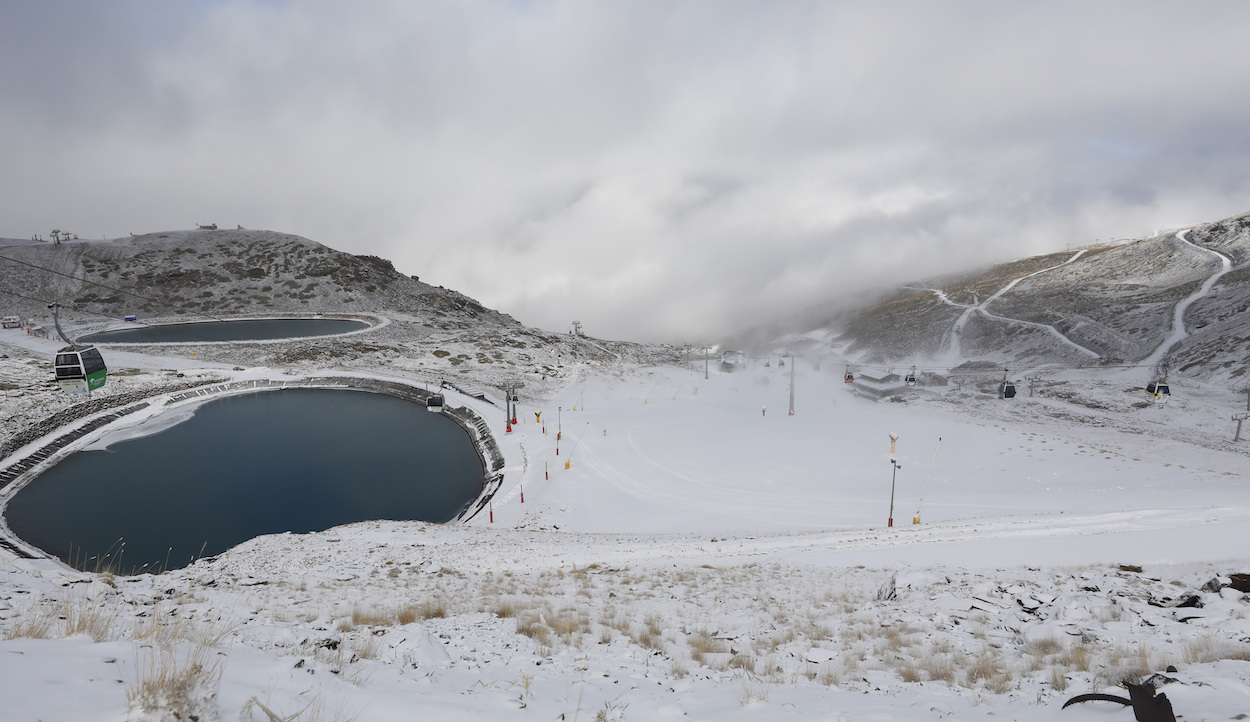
(893, 476)
(791, 384)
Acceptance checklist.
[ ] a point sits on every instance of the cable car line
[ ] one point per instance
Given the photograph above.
(76, 308)
(165, 304)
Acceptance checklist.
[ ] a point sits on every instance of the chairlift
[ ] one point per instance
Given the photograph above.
(434, 402)
(77, 368)
(1157, 392)
(848, 377)
(910, 379)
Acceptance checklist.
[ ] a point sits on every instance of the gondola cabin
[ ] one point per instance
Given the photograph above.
(1157, 392)
(910, 379)
(848, 378)
(434, 403)
(80, 370)
(1007, 390)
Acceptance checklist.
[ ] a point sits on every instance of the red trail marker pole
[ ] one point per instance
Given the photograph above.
(492, 513)
(522, 494)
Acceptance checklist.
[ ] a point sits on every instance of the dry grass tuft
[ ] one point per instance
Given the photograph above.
(84, 615)
(1210, 648)
(990, 669)
(1043, 647)
(367, 646)
(430, 609)
(1058, 679)
(1076, 657)
(751, 690)
(702, 644)
(315, 710)
(32, 622)
(939, 668)
(371, 618)
(177, 677)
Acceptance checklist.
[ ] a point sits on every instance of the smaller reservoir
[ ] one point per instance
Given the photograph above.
(237, 467)
(244, 329)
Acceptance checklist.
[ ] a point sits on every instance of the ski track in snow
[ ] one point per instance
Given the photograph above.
(1179, 333)
(952, 341)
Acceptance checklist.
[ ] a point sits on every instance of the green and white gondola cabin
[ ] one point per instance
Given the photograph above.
(80, 370)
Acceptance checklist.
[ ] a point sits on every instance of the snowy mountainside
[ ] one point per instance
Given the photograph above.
(190, 274)
(179, 276)
(1101, 305)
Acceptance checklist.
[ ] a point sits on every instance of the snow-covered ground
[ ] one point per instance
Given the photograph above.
(706, 556)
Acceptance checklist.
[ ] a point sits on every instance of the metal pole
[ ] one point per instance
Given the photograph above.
(893, 477)
(792, 387)
(1239, 418)
(705, 363)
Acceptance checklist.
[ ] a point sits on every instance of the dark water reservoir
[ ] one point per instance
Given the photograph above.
(245, 329)
(296, 460)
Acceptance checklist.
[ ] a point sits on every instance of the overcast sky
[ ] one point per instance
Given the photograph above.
(661, 171)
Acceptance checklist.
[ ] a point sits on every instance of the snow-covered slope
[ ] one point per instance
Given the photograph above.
(704, 555)
(431, 333)
(707, 556)
(1102, 305)
(191, 275)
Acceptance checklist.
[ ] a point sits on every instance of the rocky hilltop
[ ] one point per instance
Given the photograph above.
(179, 276)
(190, 275)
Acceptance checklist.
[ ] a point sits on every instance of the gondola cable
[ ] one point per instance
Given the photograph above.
(111, 288)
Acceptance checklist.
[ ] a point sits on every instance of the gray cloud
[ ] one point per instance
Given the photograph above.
(660, 171)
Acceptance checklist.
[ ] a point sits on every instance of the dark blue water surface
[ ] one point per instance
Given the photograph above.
(296, 460)
(250, 329)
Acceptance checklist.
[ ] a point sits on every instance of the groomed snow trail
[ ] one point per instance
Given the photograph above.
(1178, 314)
(952, 341)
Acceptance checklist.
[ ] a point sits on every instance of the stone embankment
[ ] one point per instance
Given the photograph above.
(87, 408)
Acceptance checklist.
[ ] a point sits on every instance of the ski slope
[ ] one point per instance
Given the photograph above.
(952, 354)
(698, 509)
(701, 456)
(1179, 332)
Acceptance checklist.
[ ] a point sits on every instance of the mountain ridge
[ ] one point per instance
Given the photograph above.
(178, 276)
(1101, 305)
